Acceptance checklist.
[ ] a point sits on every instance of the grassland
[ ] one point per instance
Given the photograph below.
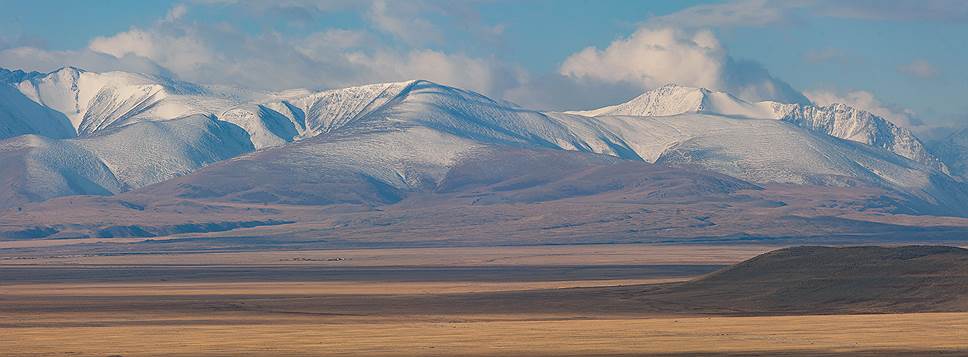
(265, 334)
(470, 302)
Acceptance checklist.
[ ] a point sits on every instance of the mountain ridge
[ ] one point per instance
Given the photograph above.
(953, 149)
(838, 120)
(405, 136)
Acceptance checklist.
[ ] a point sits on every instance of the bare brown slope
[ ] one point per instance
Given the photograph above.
(495, 197)
(792, 281)
(830, 280)
(242, 190)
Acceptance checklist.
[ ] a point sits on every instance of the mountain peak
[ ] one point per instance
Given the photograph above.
(673, 99)
(837, 120)
(70, 69)
(67, 71)
(675, 86)
(17, 75)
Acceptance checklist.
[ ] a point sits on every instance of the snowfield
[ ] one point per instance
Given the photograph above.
(118, 160)
(104, 133)
(836, 120)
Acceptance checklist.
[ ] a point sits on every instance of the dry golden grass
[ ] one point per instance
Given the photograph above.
(526, 336)
(305, 288)
(101, 319)
(610, 254)
(513, 316)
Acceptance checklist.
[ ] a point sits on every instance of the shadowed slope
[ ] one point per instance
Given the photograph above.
(486, 196)
(790, 281)
(116, 160)
(837, 120)
(398, 137)
(953, 149)
(832, 280)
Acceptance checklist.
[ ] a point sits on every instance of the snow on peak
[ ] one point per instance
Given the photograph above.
(96, 101)
(299, 114)
(68, 69)
(953, 149)
(836, 120)
(408, 133)
(846, 122)
(19, 115)
(674, 100)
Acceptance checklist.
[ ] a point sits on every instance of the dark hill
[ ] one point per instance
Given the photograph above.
(831, 280)
(790, 281)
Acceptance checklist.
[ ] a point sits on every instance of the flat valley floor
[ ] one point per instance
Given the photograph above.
(505, 301)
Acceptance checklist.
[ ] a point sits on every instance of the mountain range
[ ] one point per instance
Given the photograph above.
(142, 141)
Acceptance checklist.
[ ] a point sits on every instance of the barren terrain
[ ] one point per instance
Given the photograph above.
(505, 301)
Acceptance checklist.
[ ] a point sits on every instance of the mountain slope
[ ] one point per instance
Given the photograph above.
(844, 122)
(409, 142)
(298, 114)
(117, 160)
(19, 116)
(428, 164)
(393, 138)
(770, 151)
(98, 101)
(16, 76)
(36, 168)
(487, 196)
(836, 120)
(673, 100)
(953, 150)
(833, 280)
(404, 143)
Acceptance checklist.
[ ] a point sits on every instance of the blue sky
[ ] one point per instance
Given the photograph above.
(900, 59)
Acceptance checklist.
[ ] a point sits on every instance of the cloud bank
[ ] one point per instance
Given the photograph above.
(402, 40)
(223, 54)
(653, 57)
(920, 69)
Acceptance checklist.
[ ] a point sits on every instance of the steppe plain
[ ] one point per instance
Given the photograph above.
(573, 300)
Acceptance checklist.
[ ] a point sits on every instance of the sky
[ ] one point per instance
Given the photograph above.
(902, 60)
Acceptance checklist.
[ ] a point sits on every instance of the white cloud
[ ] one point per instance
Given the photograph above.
(729, 14)
(178, 53)
(477, 74)
(219, 54)
(36, 59)
(176, 13)
(865, 100)
(399, 18)
(921, 10)
(919, 69)
(755, 13)
(652, 57)
(337, 39)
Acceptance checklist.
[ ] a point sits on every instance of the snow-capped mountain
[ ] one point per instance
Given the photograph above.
(674, 100)
(117, 160)
(836, 120)
(380, 141)
(20, 115)
(300, 114)
(98, 101)
(849, 123)
(953, 150)
(16, 76)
